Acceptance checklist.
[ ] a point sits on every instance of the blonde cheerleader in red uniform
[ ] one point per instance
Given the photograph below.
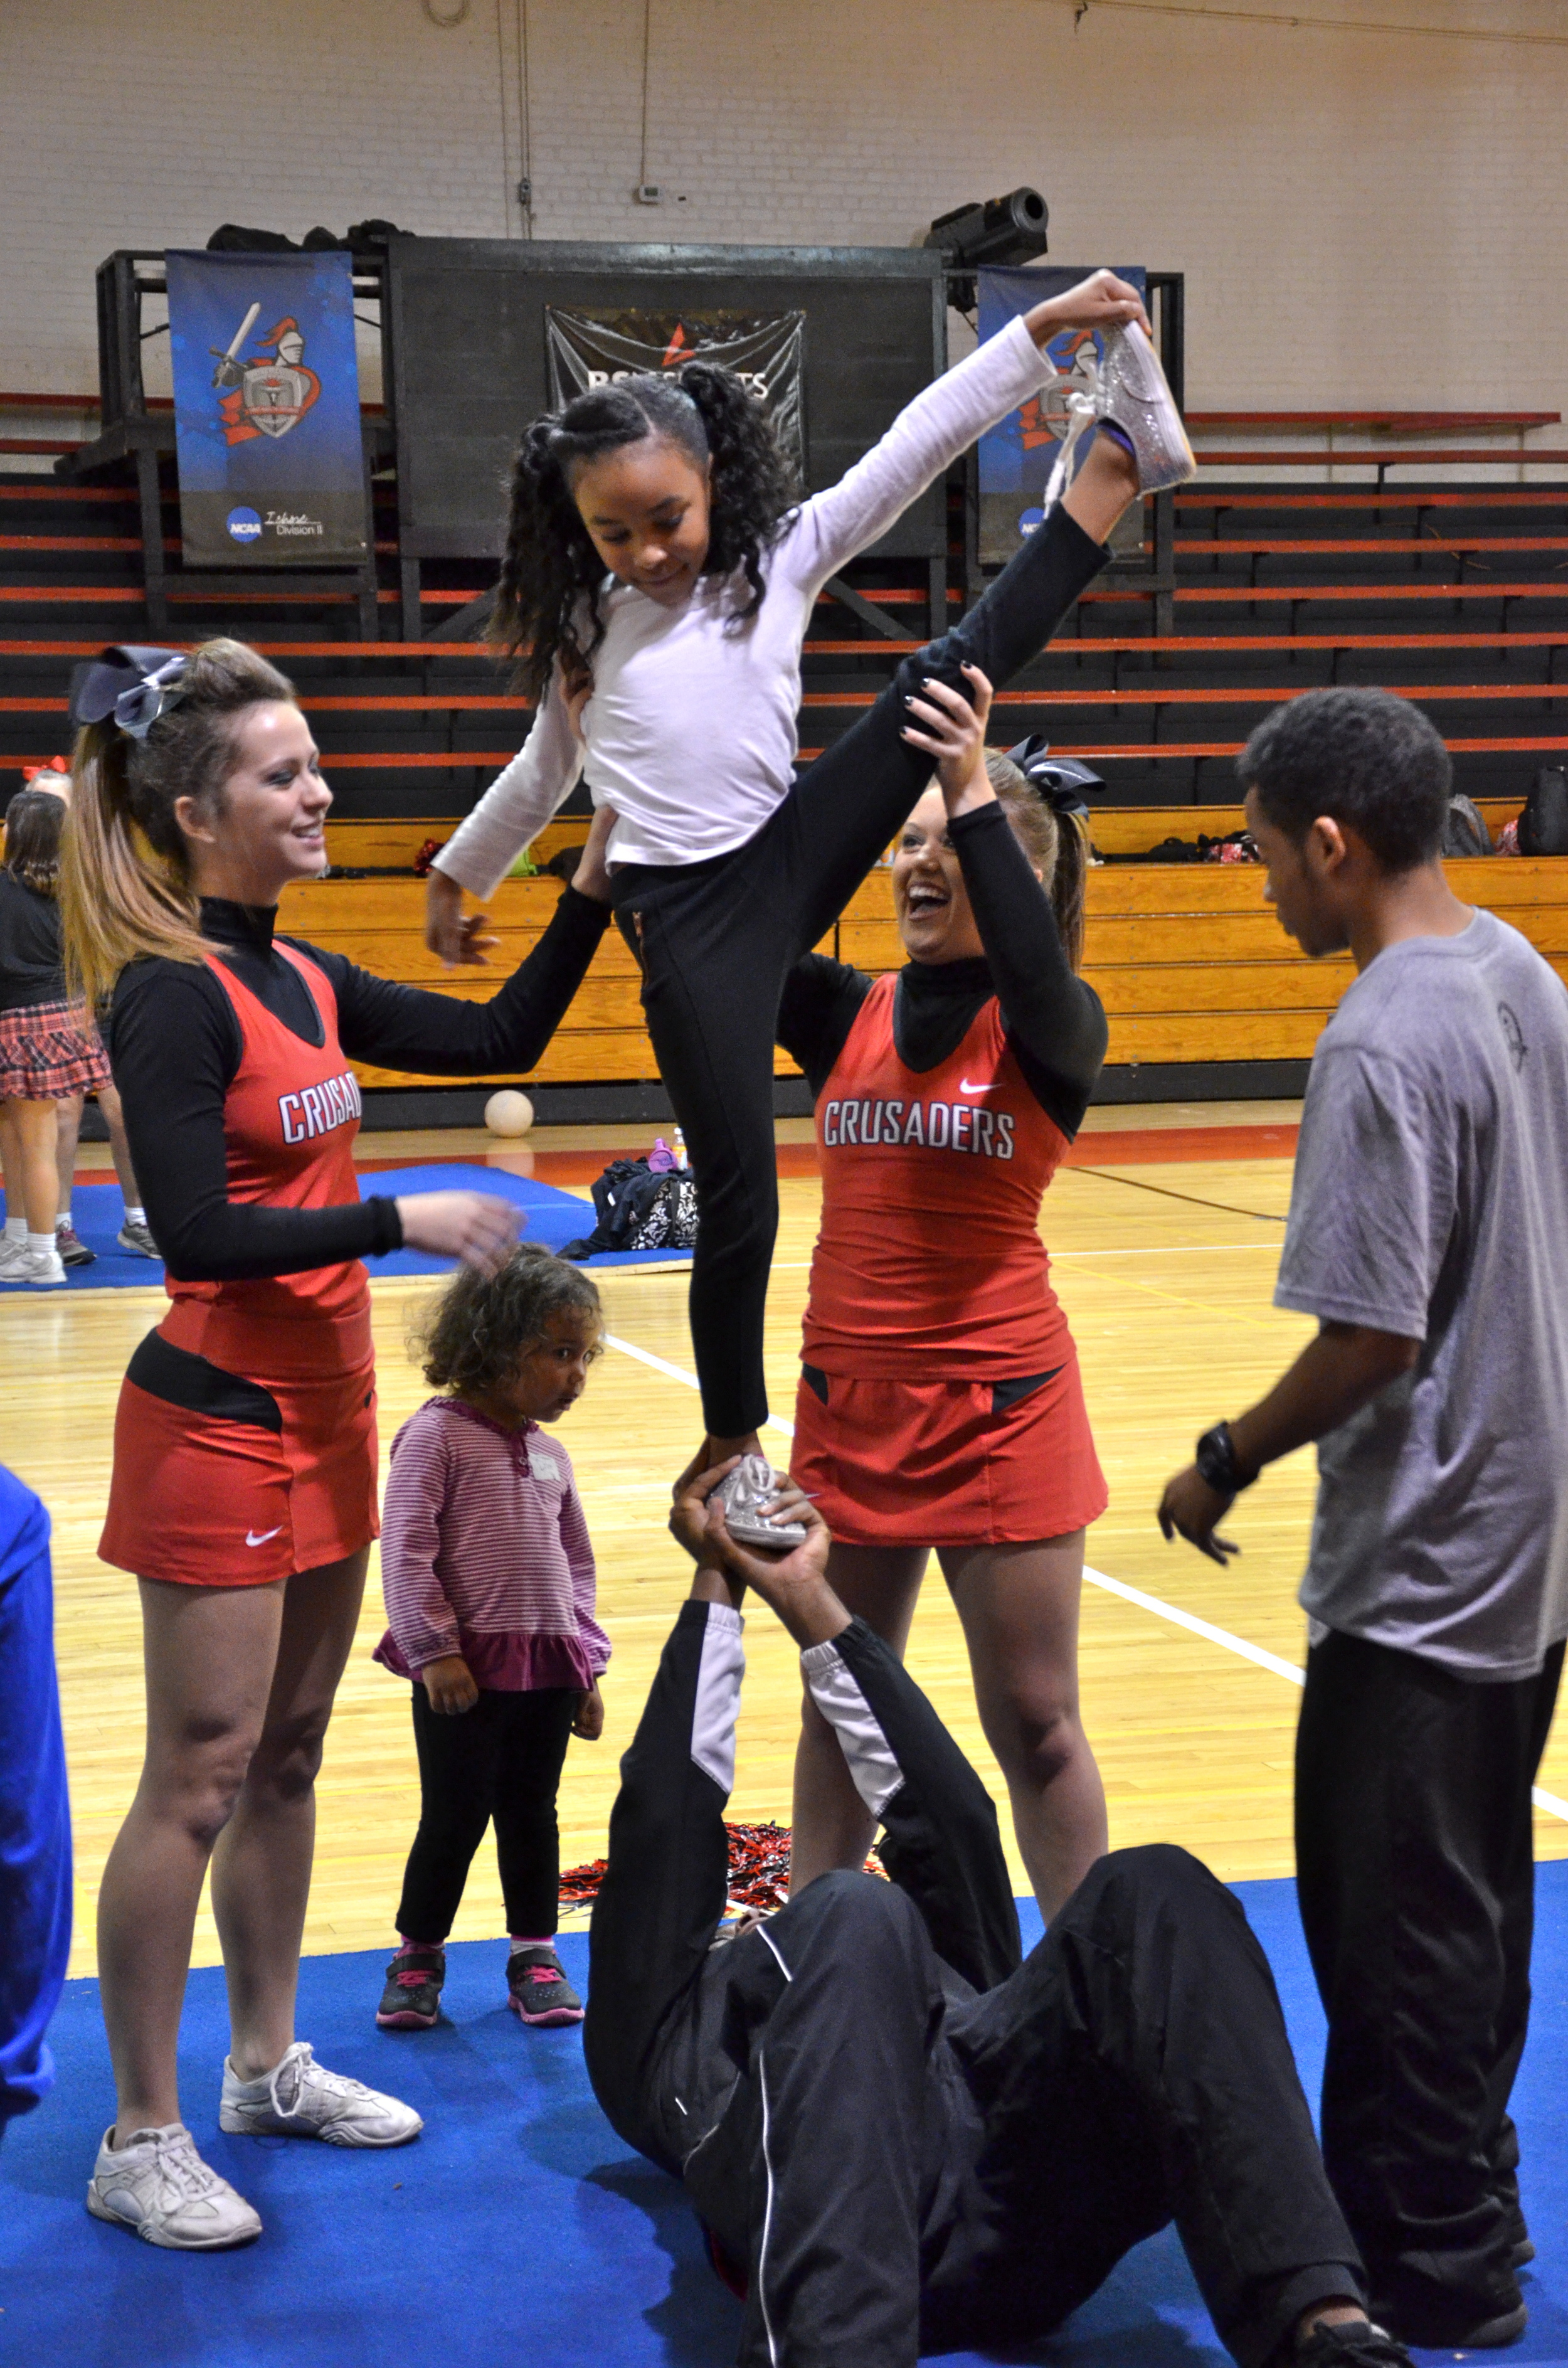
(939, 1404)
(244, 1495)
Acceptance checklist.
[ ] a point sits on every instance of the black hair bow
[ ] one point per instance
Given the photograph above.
(133, 684)
(1059, 781)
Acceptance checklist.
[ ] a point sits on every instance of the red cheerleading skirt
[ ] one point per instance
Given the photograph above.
(948, 1464)
(222, 1480)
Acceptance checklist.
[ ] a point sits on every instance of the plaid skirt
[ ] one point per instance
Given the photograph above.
(50, 1052)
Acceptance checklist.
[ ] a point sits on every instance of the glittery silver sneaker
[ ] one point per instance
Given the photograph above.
(750, 1489)
(1129, 389)
(158, 2187)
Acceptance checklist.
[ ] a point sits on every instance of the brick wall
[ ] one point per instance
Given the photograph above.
(1364, 216)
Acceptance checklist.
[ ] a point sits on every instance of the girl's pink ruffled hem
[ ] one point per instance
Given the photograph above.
(509, 1664)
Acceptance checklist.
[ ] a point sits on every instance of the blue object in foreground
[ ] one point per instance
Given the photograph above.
(518, 2216)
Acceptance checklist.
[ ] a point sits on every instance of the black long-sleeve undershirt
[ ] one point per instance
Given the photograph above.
(1055, 1024)
(175, 1047)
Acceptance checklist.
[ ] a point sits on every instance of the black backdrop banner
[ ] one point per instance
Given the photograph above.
(766, 350)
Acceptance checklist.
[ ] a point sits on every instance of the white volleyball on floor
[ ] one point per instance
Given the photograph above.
(508, 1112)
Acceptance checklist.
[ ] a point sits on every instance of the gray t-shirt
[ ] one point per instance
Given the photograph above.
(1431, 1200)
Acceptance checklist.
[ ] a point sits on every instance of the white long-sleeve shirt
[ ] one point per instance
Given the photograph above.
(689, 731)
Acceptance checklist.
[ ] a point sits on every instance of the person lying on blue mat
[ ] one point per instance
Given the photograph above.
(900, 2136)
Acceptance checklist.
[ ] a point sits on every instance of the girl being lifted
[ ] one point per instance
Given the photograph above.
(660, 582)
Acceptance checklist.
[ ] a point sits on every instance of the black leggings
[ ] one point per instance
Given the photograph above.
(500, 1759)
(716, 940)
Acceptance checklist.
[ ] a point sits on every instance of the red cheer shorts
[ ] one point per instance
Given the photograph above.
(221, 1480)
(948, 1464)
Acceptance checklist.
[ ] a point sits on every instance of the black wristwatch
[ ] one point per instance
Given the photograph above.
(1216, 1461)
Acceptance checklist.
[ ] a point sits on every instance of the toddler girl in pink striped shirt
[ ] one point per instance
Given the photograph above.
(489, 1583)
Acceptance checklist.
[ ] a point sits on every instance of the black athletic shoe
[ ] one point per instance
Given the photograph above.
(538, 1989)
(412, 1999)
(1357, 2344)
(1450, 2331)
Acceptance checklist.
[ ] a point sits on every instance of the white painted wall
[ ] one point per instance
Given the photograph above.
(1365, 216)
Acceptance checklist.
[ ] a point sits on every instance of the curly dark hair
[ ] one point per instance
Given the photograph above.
(550, 572)
(481, 1325)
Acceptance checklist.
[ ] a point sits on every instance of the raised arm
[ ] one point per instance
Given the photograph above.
(943, 421)
(1053, 1017)
(1055, 1022)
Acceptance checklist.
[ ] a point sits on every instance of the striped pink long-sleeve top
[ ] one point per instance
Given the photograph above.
(485, 1553)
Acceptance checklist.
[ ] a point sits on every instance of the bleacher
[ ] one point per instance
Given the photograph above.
(1454, 593)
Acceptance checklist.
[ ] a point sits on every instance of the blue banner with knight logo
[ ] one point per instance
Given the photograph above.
(1017, 456)
(267, 409)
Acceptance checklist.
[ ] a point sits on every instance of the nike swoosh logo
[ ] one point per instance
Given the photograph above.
(252, 1540)
(988, 1088)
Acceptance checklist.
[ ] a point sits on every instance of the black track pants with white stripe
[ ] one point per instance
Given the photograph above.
(902, 2160)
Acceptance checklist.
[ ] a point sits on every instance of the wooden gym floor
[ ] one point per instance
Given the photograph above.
(1165, 1259)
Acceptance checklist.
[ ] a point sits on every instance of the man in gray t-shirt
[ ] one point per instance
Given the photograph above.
(1429, 1234)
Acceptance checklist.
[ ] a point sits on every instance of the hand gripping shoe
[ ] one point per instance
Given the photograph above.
(1130, 391)
(744, 1497)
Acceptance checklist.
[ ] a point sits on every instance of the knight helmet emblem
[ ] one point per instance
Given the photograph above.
(269, 391)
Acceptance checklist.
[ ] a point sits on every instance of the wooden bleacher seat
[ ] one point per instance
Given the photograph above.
(1190, 962)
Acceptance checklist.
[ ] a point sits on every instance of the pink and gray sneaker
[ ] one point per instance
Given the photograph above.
(538, 1989)
(412, 1999)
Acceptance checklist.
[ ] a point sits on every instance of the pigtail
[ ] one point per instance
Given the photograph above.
(550, 570)
(752, 486)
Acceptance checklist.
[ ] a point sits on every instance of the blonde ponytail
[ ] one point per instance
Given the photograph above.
(125, 886)
(1056, 845)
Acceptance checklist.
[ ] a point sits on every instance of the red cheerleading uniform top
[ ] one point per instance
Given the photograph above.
(929, 1265)
(289, 1119)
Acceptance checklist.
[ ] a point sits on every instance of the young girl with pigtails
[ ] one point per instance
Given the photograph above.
(657, 587)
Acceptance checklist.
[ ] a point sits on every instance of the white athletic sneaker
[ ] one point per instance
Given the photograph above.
(1129, 389)
(302, 2100)
(157, 2185)
(13, 1255)
(745, 1496)
(45, 1270)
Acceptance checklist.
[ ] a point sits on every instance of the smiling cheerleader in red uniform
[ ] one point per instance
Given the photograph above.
(940, 1402)
(244, 1495)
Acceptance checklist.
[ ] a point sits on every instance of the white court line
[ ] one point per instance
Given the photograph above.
(1287, 1669)
(1205, 1628)
(678, 1373)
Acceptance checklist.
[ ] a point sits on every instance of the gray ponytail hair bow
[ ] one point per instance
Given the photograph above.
(134, 684)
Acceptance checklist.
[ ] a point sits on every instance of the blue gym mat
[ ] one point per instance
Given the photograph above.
(554, 1218)
(519, 2224)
